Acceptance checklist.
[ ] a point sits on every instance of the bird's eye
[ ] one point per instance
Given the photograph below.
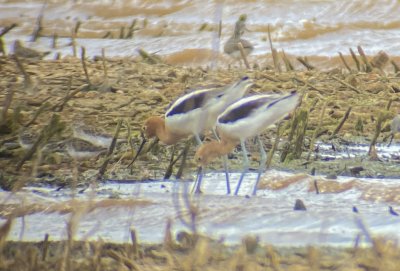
(144, 128)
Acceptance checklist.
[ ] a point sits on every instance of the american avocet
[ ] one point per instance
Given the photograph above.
(246, 118)
(231, 47)
(194, 113)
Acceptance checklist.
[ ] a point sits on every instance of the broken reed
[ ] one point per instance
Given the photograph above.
(294, 147)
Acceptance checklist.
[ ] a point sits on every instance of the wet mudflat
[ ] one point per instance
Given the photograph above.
(76, 200)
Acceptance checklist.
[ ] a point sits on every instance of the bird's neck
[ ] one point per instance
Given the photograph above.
(166, 136)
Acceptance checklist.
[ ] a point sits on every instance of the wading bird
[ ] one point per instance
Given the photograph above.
(25, 52)
(193, 113)
(246, 118)
(231, 46)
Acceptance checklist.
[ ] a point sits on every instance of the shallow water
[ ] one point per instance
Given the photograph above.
(112, 208)
(384, 152)
(328, 220)
(172, 28)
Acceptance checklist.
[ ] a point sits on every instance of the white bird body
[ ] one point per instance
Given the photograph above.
(198, 111)
(249, 116)
(194, 113)
(246, 118)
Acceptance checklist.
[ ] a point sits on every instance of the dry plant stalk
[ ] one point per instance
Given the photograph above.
(305, 63)
(38, 27)
(107, 35)
(274, 146)
(97, 255)
(313, 258)
(346, 84)
(39, 23)
(2, 33)
(60, 105)
(103, 60)
(122, 32)
(383, 115)
(131, 30)
(274, 53)
(7, 29)
(45, 247)
(173, 161)
(368, 67)
(83, 60)
(4, 231)
(2, 47)
(344, 62)
(6, 105)
(54, 41)
(241, 49)
(316, 131)
(123, 260)
(288, 64)
(316, 185)
(298, 127)
(389, 104)
(135, 244)
(286, 148)
(76, 28)
(340, 125)
(355, 59)
(274, 258)
(300, 133)
(220, 29)
(308, 84)
(27, 79)
(103, 167)
(44, 106)
(168, 240)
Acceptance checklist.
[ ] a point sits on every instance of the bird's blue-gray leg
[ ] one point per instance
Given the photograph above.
(199, 178)
(228, 185)
(225, 161)
(245, 165)
(263, 160)
(197, 183)
(198, 140)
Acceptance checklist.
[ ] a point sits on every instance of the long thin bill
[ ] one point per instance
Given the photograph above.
(138, 151)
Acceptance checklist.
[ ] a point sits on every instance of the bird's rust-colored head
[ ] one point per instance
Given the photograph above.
(151, 125)
(204, 154)
(210, 151)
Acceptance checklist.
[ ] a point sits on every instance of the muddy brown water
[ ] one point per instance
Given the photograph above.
(185, 31)
(318, 29)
